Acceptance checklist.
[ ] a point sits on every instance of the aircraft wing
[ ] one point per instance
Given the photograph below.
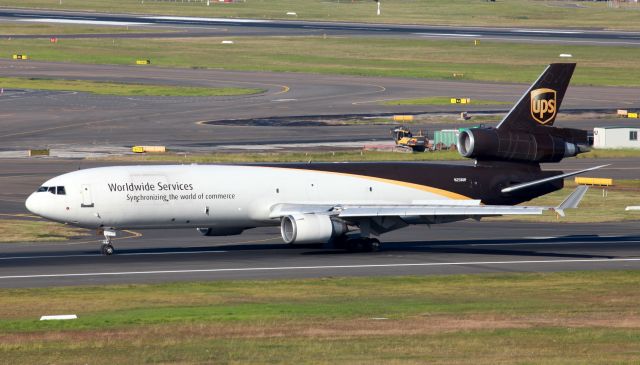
(387, 210)
(470, 208)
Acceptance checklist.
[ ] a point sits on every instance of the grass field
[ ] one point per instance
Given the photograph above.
(595, 207)
(47, 29)
(120, 89)
(434, 59)
(558, 318)
(519, 13)
(14, 230)
(611, 153)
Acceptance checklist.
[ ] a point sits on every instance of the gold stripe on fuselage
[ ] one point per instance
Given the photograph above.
(430, 189)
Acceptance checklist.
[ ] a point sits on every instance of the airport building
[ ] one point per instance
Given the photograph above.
(616, 137)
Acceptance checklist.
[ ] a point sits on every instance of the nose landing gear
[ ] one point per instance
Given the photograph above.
(107, 249)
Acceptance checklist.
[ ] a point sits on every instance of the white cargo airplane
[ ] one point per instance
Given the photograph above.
(340, 203)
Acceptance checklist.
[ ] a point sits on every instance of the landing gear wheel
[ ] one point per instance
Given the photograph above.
(355, 245)
(374, 245)
(106, 250)
(363, 245)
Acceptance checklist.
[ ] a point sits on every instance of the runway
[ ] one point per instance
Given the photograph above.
(241, 27)
(183, 255)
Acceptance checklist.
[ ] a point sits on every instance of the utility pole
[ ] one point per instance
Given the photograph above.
(377, 1)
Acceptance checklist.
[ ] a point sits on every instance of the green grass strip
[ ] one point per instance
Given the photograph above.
(14, 230)
(119, 89)
(331, 298)
(413, 58)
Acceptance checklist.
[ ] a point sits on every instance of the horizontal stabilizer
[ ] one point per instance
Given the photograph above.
(552, 178)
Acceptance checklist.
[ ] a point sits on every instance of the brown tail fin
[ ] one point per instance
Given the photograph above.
(540, 104)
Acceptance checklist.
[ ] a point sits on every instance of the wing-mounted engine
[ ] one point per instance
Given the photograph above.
(311, 228)
(542, 144)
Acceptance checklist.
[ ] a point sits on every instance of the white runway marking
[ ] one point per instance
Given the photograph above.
(324, 267)
(447, 35)
(196, 19)
(547, 31)
(364, 28)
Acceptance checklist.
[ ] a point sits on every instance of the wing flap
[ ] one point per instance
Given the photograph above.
(384, 210)
(471, 209)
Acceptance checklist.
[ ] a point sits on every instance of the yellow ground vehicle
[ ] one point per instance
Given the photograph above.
(405, 139)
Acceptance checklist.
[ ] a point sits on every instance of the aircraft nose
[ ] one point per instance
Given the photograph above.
(31, 204)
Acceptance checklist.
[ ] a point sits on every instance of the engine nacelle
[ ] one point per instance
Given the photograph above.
(220, 231)
(543, 145)
(310, 228)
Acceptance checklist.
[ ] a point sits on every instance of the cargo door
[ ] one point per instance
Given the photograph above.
(87, 199)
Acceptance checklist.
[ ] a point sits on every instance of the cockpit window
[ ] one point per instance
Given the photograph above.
(58, 190)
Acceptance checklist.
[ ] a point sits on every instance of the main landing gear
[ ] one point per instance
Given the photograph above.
(363, 245)
(358, 244)
(107, 249)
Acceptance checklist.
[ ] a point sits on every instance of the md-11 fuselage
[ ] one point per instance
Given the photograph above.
(243, 196)
(328, 202)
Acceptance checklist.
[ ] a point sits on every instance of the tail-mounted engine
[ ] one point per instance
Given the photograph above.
(543, 144)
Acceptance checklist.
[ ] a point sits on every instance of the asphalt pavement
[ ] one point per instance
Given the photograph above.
(456, 248)
(86, 122)
(203, 26)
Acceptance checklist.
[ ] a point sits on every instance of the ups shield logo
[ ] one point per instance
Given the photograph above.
(543, 105)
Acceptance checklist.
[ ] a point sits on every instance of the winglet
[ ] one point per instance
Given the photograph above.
(572, 200)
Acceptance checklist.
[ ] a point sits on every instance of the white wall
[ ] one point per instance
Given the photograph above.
(615, 138)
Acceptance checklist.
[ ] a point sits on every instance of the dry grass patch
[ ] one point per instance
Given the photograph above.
(13, 230)
(418, 325)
